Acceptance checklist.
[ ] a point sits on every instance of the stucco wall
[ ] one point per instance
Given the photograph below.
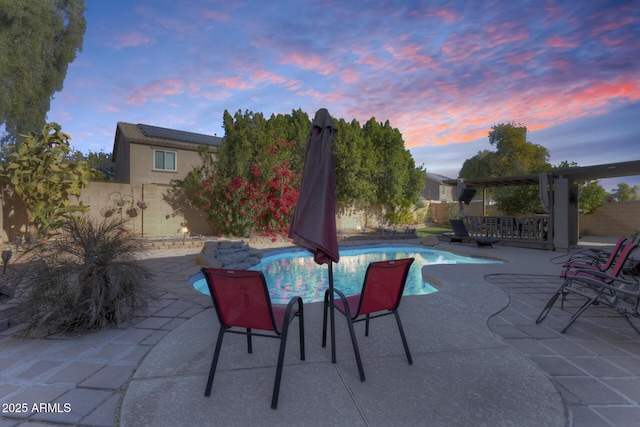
(142, 171)
(166, 214)
(612, 219)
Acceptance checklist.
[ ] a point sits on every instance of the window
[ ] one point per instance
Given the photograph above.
(164, 160)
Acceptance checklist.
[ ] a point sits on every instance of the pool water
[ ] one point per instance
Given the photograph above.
(294, 272)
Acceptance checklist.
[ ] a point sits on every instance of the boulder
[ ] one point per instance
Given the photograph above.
(238, 266)
(429, 241)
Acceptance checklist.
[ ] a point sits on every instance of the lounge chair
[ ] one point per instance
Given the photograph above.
(241, 300)
(380, 296)
(607, 288)
(599, 260)
(461, 235)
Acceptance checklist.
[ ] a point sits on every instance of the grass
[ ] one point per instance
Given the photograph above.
(429, 231)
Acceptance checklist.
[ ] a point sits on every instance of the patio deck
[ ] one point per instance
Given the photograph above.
(479, 359)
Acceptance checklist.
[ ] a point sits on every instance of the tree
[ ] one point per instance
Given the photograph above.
(39, 39)
(253, 183)
(100, 162)
(354, 164)
(514, 155)
(245, 138)
(590, 196)
(625, 192)
(38, 172)
(394, 173)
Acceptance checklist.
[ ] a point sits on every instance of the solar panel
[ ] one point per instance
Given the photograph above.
(178, 135)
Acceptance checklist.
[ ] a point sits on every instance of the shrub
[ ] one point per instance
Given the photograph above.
(87, 277)
(262, 202)
(39, 172)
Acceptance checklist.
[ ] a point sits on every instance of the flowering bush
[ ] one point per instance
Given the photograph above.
(262, 202)
(142, 204)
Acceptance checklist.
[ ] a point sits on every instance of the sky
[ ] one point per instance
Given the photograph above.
(442, 72)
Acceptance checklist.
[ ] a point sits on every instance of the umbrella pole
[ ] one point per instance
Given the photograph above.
(332, 314)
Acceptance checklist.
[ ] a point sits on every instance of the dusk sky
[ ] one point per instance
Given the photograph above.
(442, 72)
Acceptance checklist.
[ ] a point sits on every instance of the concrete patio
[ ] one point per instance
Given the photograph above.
(479, 359)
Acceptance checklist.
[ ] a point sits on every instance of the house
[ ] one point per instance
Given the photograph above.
(436, 190)
(145, 154)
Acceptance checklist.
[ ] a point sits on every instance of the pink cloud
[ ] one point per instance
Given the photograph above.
(445, 15)
(497, 35)
(411, 52)
(112, 108)
(520, 58)
(233, 82)
(215, 15)
(132, 39)
(561, 42)
(267, 76)
(156, 91)
(460, 122)
(309, 62)
(611, 26)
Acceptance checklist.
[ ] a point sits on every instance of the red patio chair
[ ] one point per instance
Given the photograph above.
(381, 292)
(241, 300)
(595, 259)
(583, 282)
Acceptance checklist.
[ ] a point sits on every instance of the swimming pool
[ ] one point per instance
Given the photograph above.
(293, 272)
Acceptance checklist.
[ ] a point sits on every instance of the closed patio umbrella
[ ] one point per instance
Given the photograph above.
(314, 221)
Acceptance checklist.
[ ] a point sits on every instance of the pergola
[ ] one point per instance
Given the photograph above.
(562, 192)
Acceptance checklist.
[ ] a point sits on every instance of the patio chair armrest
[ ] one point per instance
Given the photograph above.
(592, 272)
(591, 260)
(613, 284)
(343, 298)
(292, 302)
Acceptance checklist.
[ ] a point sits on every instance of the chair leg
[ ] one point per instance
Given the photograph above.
(214, 362)
(366, 326)
(354, 341)
(324, 319)
(276, 385)
(249, 346)
(635, 328)
(549, 305)
(301, 326)
(579, 312)
(404, 338)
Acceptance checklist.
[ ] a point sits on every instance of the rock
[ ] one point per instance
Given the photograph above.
(234, 255)
(231, 251)
(254, 253)
(429, 241)
(224, 244)
(238, 266)
(209, 248)
(252, 260)
(212, 262)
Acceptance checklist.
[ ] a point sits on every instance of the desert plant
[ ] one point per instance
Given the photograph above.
(40, 174)
(87, 277)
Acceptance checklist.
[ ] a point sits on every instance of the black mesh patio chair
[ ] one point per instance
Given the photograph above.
(462, 235)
